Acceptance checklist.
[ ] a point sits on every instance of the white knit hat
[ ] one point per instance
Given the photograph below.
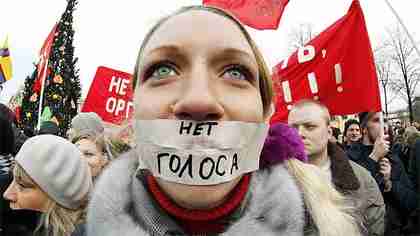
(86, 124)
(57, 167)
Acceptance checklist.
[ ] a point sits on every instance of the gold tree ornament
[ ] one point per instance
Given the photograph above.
(58, 79)
(34, 97)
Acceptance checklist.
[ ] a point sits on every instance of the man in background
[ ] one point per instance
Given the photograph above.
(312, 121)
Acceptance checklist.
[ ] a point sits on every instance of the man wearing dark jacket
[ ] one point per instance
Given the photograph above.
(411, 153)
(19, 136)
(312, 119)
(373, 154)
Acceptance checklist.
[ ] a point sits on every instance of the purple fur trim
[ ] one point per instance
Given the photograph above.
(282, 143)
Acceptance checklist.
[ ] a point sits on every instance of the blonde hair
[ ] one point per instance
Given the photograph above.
(332, 213)
(111, 148)
(328, 208)
(410, 135)
(57, 220)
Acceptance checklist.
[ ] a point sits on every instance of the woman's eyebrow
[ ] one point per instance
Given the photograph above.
(237, 52)
(233, 54)
(170, 48)
(172, 51)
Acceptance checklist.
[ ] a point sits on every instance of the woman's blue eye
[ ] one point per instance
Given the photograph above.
(235, 74)
(163, 71)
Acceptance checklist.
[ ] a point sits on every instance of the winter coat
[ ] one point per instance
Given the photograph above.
(80, 230)
(413, 157)
(122, 205)
(356, 183)
(6, 163)
(414, 164)
(401, 200)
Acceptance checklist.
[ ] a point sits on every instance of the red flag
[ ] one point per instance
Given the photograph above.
(258, 14)
(337, 68)
(44, 55)
(110, 95)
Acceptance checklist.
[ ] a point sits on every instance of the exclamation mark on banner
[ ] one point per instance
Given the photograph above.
(287, 93)
(338, 77)
(313, 85)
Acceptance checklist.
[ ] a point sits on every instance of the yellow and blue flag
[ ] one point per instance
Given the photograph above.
(5, 63)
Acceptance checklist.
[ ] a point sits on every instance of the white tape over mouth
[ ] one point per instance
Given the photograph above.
(199, 153)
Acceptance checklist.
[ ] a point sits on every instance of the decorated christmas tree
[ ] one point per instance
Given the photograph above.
(62, 89)
(30, 103)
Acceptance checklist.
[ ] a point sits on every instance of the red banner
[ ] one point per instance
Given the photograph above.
(258, 14)
(44, 55)
(337, 68)
(110, 95)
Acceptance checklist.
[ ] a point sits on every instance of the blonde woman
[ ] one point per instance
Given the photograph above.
(203, 98)
(51, 177)
(88, 134)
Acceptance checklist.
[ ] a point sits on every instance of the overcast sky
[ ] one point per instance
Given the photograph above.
(109, 32)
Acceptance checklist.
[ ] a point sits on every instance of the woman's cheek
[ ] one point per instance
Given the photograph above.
(244, 106)
(153, 105)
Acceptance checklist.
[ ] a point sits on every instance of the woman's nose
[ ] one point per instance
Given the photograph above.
(10, 193)
(199, 101)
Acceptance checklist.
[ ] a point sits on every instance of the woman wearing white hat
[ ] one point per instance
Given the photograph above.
(51, 177)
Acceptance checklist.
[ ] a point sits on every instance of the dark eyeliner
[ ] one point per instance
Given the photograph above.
(152, 68)
(243, 69)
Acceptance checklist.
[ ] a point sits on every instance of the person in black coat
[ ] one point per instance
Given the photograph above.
(411, 152)
(6, 149)
(19, 136)
(387, 169)
(18, 223)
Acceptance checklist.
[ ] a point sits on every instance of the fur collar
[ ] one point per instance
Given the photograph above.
(343, 174)
(121, 205)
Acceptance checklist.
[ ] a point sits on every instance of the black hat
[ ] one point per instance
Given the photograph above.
(49, 127)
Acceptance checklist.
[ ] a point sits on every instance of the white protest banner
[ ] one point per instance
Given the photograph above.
(199, 153)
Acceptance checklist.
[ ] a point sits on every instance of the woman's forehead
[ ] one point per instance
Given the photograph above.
(85, 142)
(199, 29)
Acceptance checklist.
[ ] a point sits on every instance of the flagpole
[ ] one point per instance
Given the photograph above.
(404, 27)
(41, 97)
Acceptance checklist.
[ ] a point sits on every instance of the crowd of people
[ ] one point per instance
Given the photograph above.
(282, 179)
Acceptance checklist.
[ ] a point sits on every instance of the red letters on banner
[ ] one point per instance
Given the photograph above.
(337, 68)
(110, 95)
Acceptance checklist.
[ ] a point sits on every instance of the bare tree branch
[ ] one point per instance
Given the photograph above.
(300, 36)
(405, 65)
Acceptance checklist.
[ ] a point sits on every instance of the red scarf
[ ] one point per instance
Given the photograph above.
(201, 221)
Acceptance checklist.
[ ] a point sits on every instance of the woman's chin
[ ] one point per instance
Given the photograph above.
(198, 196)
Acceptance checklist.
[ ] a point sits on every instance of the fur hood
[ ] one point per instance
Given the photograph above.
(121, 205)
